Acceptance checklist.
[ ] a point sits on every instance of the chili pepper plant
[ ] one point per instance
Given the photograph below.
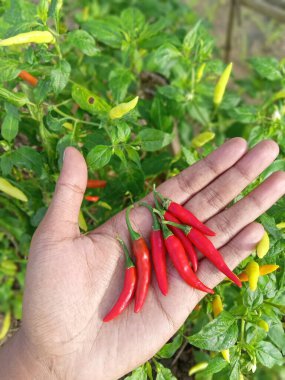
(143, 93)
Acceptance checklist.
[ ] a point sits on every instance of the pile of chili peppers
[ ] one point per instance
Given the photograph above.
(176, 231)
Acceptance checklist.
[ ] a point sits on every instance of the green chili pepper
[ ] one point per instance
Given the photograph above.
(18, 99)
(36, 37)
(123, 108)
(222, 84)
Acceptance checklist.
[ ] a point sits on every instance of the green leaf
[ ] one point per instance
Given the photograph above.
(169, 349)
(83, 41)
(189, 156)
(59, 76)
(220, 334)
(277, 335)
(215, 365)
(131, 178)
(99, 156)
(251, 299)
(268, 355)
(119, 82)
(89, 101)
(244, 114)
(133, 21)
(139, 373)
(154, 139)
(266, 67)
(190, 38)
(133, 155)
(107, 31)
(24, 157)
(10, 125)
(164, 373)
(8, 69)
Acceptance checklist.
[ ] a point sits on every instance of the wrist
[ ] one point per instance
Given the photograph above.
(19, 362)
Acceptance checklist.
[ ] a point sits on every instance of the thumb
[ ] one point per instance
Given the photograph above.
(62, 216)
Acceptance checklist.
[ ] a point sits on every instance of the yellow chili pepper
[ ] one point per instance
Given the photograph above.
(200, 72)
(281, 225)
(198, 367)
(36, 37)
(263, 324)
(252, 270)
(123, 108)
(222, 84)
(263, 246)
(217, 307)
(5, 325)
(202, 139)
(226, 355)
(263, 270)
(11, 190)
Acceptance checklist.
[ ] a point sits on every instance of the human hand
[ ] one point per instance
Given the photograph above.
(73, 280)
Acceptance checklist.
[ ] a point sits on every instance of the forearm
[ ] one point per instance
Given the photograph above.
(18, 363)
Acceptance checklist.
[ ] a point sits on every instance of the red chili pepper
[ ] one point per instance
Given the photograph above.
(143, 263)
(158, 252)
(92, 198)
(181, 236)
(184, 215)
(179, 259)
(128, 288)
(96, 183)
(208, 249)
(27, 77)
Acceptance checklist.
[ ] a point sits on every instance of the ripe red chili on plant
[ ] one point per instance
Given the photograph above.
(29, 78)
(92, 198)
(96, 183)
(128, 288)
(143, 263)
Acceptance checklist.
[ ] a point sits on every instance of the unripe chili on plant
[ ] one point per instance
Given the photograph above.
(198, 367)
(36, 37)
(179, 259)
(143, 263)
(18, 99)
(200, 72)
(202, 139)
(263, 246)
(264, 325)
(128, 287)
(158, 252)
(123, 108)
(252, 270)
(29, 78)
(263, 270)
(222, 84)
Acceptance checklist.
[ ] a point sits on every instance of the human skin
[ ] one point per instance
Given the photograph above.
(73, 280)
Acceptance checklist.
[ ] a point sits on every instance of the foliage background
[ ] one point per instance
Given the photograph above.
(154, 50)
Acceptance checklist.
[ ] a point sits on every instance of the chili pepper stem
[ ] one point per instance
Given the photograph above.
(129, 262)
(134, 235)
(155, 225)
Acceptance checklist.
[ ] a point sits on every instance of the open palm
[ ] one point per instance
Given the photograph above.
(73, 280)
